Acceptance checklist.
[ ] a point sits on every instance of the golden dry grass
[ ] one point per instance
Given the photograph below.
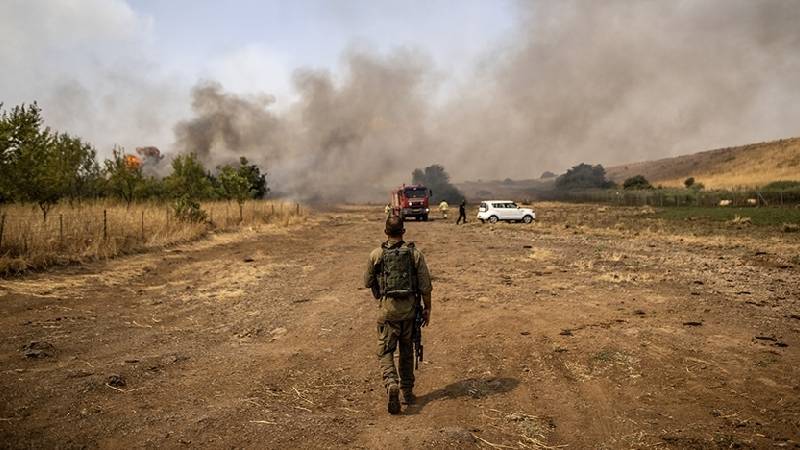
(103, 229)
(748, 166)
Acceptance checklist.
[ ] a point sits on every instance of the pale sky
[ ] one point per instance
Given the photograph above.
(128, 53)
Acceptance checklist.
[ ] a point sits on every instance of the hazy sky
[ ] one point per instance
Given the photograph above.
(127, 53)
(332, 93)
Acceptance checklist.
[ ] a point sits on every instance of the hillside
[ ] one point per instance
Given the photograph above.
(744, 166)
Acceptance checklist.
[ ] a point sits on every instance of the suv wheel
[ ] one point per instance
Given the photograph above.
(527, 219)
(493, 219)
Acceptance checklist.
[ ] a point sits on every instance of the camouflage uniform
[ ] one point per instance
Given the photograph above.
(396, 320)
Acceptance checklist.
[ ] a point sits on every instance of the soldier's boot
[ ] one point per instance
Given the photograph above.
(394, 399)
(408, 397)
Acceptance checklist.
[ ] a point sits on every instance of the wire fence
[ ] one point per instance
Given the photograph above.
(98, 229)
(676, 198)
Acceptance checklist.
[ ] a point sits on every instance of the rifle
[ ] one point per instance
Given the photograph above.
(416, 333)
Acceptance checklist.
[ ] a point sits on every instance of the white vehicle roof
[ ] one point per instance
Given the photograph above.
(498, 201)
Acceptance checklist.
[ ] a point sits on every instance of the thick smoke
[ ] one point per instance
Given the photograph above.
(339, 139)
(579, 81)
(616, 81)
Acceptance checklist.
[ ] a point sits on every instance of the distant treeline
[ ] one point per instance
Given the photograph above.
(587, 183)
(42, 166)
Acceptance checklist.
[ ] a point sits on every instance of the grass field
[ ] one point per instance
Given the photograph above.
(758, 216)
(103, 229)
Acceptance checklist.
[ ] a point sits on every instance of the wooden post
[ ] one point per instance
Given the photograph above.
(298, 209)
(273, 210)
(142, 225)
(61, 229)
(105, 225)
(2, 228)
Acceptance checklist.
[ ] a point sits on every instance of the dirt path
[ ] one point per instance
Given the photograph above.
(568, 332)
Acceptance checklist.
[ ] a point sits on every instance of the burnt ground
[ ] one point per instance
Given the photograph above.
(594, 328)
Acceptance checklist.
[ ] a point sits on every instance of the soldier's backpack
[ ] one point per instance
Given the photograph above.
(398, 276)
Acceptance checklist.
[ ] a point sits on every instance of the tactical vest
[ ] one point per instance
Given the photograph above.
(398, 275)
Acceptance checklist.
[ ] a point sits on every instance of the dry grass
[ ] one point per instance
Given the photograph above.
(747, 166)
(103, 229)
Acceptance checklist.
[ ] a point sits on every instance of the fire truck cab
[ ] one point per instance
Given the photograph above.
(411, 201)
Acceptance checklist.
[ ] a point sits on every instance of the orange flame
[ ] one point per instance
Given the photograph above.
(132, 162)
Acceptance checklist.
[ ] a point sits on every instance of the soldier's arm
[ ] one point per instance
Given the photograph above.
(369, 274)
(423, 280)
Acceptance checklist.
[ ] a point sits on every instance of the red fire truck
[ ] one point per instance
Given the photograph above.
(411, 201)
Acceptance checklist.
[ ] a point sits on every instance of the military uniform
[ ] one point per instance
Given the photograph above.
(396, 318)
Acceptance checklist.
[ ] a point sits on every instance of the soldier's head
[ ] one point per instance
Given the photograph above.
(394, 227)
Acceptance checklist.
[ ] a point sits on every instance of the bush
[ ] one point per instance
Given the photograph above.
(785, 185)
(688, 182)
(188, 210)
(584, 176)
(636, 183)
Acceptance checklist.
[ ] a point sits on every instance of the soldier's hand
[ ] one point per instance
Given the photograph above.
(426, 317)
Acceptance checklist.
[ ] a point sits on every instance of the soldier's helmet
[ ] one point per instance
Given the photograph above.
(394, 226)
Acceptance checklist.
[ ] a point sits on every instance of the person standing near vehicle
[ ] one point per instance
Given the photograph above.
(462, 212)
(388, 210)
(398, 276)
(443, 208)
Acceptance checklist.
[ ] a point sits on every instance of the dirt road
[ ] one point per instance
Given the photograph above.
(595, 328)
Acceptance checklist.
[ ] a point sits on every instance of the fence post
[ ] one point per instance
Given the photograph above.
(105, 225)
(61, 230)
(142, 225)
(298, 209)
(2, 228)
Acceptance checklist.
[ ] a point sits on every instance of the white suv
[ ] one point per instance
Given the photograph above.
(494, 210)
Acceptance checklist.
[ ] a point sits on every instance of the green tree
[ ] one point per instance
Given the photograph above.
(5, 156)
(124, 175)
(30, 165)
(79, 168)
(188, 184)
(437, 180)
(688, 182)
(583, 176)
(151, 188)
(235, 186)
(636, 182)
(256, 180)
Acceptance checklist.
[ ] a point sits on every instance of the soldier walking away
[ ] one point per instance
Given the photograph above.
(443, 208)
(462, 212)
(399, 278)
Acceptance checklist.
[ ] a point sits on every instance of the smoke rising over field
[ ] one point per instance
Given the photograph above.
(353, 138)
(580, 81)
(574, 81)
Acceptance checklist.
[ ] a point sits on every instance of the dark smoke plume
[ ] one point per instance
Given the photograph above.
(579, 81)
